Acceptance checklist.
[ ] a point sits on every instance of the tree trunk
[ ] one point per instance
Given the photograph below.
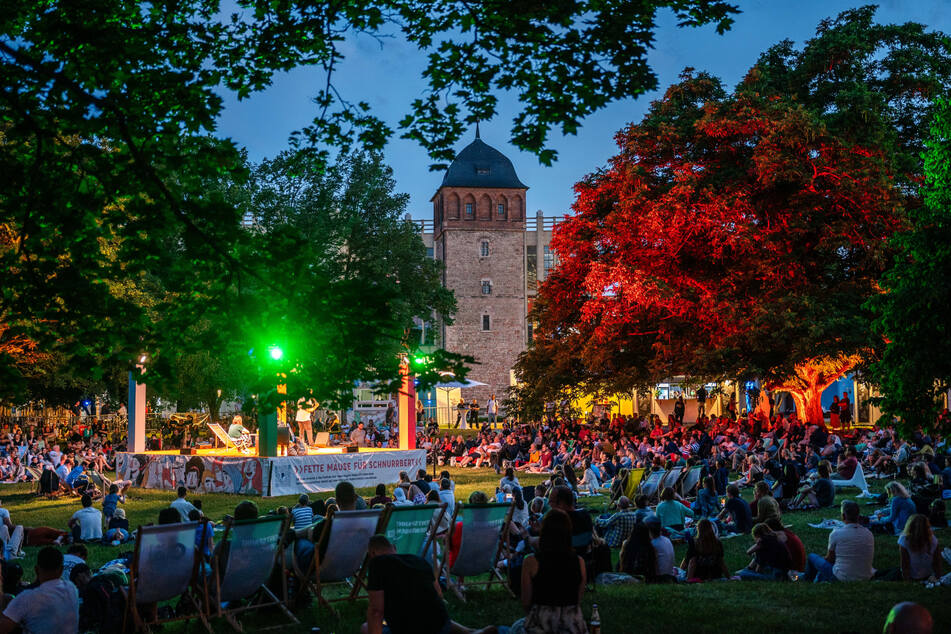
(809, 404)
(809, 380)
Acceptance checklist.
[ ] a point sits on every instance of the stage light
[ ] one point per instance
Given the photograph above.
(276, 353)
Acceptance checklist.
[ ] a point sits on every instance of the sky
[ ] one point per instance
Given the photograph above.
(389, 79)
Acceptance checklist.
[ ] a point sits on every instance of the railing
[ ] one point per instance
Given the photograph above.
(547, 223)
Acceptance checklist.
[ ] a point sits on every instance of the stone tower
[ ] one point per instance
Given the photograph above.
(479, 234)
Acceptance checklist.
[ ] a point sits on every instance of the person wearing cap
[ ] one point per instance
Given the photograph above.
(118, 528)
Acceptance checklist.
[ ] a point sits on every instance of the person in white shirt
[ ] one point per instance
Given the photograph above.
(86, 523)
(55, 456)
(663, 548)
(183, 506)
(52, 606)
(446, 495)
(492, 409)
(850, 554)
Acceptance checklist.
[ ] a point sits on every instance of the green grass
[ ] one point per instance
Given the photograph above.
(711, 607)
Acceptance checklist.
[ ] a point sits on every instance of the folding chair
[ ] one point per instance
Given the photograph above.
(671, 479)
(690, 481)
(344, 538)
(166, 566)
(484, 534)
(634, 478)
(411, 530)
(253, 549)
(651, 485)
(857, 480)
(242, 444)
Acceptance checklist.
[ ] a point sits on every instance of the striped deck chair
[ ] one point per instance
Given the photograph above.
(478, 546)
(165, 567)
(690, 481)
(343, 540)
(243, 569)
(650, 486)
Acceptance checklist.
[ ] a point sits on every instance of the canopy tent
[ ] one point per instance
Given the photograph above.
(444, 404)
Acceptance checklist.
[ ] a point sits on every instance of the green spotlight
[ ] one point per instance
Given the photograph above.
(276, 353)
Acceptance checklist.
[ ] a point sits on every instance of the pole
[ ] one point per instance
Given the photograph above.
(136, 407)
(267, 427)
(406, 404)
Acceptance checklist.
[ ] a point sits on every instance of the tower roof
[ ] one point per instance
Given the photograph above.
(481, 165)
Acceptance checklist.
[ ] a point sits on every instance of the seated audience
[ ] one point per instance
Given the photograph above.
(52, 605)
(918, 548)
(86, 523)
(850, 553)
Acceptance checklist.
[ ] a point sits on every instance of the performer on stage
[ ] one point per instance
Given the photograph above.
(238, 431)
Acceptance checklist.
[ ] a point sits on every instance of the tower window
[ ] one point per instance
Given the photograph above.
(501, 210)
(469, 210)
(484, 249)
(485, 322)
(486, 287)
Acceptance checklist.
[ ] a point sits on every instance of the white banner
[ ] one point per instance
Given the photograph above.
(297, 474)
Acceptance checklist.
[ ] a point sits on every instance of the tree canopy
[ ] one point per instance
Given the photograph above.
(739, 234)
(115, 189)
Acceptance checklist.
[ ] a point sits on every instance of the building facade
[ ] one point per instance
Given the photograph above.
(494, 257)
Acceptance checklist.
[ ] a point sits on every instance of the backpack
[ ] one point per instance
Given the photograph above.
(103, 605)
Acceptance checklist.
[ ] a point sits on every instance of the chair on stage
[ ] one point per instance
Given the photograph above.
(250, 550)
(690, 481)
(166, 566)
(857, 480)
(650, 486)
(242, 444)
(343, 540)
(478, 545)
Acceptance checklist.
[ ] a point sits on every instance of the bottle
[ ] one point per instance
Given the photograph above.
(595, 627)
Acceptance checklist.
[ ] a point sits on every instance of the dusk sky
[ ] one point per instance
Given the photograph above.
(390, 78)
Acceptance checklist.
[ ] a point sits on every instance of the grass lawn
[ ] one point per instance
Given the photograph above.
(711, 607)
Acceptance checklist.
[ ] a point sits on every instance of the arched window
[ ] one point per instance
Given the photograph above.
(500, 210)
(484, 249)
(470, 211)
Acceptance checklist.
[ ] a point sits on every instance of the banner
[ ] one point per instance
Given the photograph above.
(296, 474)
(200, 474)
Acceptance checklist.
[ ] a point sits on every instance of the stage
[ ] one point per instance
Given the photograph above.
(231, 471)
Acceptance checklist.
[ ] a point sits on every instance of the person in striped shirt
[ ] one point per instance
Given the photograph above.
(302, 513)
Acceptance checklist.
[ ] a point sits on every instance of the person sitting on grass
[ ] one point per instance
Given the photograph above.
(797, 551)
(918, 548)
(771, 560)
(704, 558)
(380, 497)
(617, 528)
(819, 494)
(850, 553)
(736, 516)
(52, 605)
(707, 503)
(663, 551)
(180, 504)
(86, 523)
(76, 554)
(672, 512)
(552, 582)
(118, 530)
(403, 592)
(637, 554)
(764, 506)
(900, 508)
(302, 513)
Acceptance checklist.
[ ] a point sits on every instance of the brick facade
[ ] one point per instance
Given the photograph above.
(458, 242)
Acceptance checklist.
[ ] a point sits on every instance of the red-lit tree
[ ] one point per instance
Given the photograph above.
(732, 236)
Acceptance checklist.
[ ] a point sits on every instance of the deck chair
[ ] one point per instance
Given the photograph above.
(634, 478)
(242, 444)
(857, 480)
(165, 567)
(411, 530)
(344, 537)
(690, 481)
(244, 568)
(484, 534)
(650, 486)
(671, 479)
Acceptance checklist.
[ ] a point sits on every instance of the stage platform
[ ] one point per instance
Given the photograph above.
(231, 471)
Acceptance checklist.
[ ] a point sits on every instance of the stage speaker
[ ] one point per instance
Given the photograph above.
(322, 439)
(352, 449)
(188, 451)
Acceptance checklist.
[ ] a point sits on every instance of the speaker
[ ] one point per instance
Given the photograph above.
(322, 439)
(188, 451)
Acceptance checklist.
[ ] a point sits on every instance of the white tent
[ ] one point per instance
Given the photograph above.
(447, 396)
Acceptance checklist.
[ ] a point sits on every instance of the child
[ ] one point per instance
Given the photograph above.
(110, 502)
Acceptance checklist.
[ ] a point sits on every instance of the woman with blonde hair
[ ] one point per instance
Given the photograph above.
(899, 510)
(918, 547)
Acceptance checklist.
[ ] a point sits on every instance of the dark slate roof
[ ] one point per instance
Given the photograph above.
(481, 165)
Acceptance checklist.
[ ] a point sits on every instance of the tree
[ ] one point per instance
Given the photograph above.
(912, 313)
(732, 236)
(108, 154)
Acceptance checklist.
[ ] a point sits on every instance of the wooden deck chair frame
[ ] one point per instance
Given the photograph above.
(262, 596)
(311, 576)
(196, 590)
(429, 542)
(493, 574)
(241, 444)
